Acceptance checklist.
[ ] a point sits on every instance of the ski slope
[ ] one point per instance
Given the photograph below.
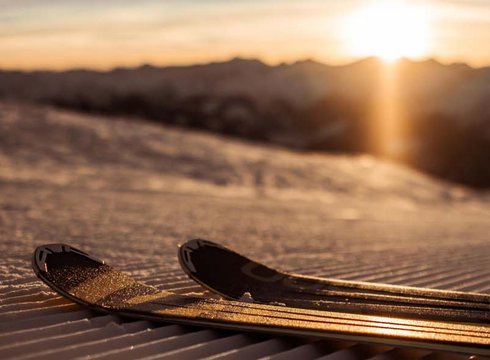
(130, 192)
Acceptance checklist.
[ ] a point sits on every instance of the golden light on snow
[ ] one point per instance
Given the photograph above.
(387, 29)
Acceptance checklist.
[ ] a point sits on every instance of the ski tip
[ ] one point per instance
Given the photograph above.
(190, 246)
(41, 255)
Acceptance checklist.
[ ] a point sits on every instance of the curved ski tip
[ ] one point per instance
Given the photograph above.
(190, 246)
(41, 253)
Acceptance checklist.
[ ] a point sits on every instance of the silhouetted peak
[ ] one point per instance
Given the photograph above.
(308, 62)
(432, 64)
(239, 62)
(368, 62)
(147, 67)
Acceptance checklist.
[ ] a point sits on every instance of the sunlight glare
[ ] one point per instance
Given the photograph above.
(387, 29)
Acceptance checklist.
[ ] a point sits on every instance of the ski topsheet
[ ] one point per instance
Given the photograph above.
(206, 262)
(89, 282)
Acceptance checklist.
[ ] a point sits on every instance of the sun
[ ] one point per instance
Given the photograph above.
(387, 29)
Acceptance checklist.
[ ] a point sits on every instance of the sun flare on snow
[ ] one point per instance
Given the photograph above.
(388, 29)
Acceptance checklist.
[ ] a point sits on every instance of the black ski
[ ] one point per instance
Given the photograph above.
(232, 275)
(89, 282)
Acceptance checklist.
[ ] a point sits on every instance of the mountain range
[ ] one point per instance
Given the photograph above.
(304, 105)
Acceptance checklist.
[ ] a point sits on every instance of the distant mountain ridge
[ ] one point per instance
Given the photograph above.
(452, 89)
(444, 110)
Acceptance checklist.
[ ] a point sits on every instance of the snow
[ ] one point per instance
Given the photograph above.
(247, 297)
(129, 192)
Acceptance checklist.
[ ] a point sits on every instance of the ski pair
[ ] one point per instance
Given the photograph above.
(89, 282)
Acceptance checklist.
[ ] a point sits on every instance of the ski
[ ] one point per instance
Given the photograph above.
(206, 262)
(90, 282)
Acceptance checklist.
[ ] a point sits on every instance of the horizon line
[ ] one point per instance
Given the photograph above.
(235, 58)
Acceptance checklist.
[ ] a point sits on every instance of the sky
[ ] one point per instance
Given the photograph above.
(63, 34)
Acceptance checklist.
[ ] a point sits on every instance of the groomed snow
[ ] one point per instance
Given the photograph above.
(130, 191)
